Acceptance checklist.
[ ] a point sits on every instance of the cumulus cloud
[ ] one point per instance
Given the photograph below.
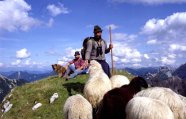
(167, 60)
(23, 53)
(177, 47)
(27, 62)
(17, 62)
(113, 26)
(57, 9)
(170, 29)
(146, 56)
(15, 15)
(125, 54)
(150, 2)
(64, 60)
(61, 62)
(172, 56)
(67, 56)
(152, 42)
(170, 34)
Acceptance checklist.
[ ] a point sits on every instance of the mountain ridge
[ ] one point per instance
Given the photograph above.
(6, 85)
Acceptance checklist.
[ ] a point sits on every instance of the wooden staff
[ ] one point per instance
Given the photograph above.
(111, 50)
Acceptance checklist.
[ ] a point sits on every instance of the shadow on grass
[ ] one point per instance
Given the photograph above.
(77, 86)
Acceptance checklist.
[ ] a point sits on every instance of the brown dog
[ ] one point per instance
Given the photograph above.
(60, 70)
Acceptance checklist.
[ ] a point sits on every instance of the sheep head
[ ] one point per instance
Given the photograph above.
(94, 67)
(138, 83)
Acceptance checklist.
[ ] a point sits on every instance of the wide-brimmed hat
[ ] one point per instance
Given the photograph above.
(76, 53)
(97, 29)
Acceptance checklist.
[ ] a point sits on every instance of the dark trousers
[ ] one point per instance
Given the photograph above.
(105, 67)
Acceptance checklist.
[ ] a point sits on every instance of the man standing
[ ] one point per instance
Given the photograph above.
(96, 50)
(77, 65)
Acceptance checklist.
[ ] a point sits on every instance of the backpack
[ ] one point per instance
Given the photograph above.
(83, 50)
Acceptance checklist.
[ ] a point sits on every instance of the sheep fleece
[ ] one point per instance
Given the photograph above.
(77, 107)
(147, 108)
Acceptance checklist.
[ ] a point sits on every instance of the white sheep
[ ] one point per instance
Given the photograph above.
(167, 96)
(119, 80)
(147, 108)
(77, 107)
(183, 99)
(97, 85)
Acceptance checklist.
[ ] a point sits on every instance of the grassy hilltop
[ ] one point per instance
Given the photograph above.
(23, 98)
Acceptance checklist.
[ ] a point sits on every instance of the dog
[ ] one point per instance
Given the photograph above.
(60, 70)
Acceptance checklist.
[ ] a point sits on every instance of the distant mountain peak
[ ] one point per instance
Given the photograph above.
(181, 72)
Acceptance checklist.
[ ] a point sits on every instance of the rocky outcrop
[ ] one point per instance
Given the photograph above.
(6, 85)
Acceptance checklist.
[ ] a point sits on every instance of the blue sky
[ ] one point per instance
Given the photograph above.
(35, 34)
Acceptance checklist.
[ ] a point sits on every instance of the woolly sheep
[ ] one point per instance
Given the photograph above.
(147, 108)
(119, 80)
(77, 107)
(114, 102)
(183, 99)
(167, 96)
(97, 85)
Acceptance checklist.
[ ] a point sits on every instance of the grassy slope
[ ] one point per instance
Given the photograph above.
(24, 97)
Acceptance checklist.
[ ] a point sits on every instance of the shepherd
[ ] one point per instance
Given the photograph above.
(97, 48)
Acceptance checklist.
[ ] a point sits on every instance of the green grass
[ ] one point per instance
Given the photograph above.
(24, 97)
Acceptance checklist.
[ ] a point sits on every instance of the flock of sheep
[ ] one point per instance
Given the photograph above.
(119, 98)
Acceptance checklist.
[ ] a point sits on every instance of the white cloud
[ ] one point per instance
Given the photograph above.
(1, 64)
(50, 22)
(67, 56)
(171, 29)
(69, 52)
(152, 42)
(172, 56)
(61, 62)
(57, 9)
(14, 15)
(125, 54)
(136, 60)
(28, 62)
(64, 60)
(170, 33)
(115, 58)
(167, 61)
(154, 26)
(177, 47)
(150, 2)
(17, 62)
(146, 56)
(124, 37)
(113, 26)
(23, 53)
